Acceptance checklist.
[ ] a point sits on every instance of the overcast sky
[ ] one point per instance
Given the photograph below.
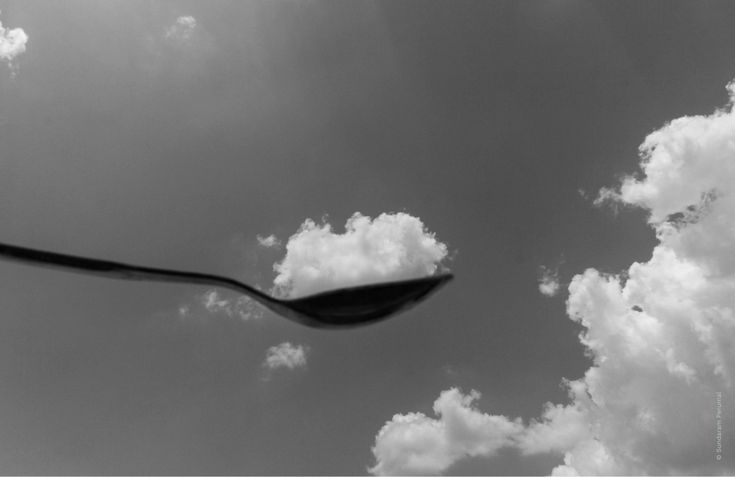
(500, 140)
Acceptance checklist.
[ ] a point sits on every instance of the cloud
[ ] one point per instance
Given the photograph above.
(285, 355)
(182, 31)
(390, 247)
(12, 43)
(660, 335)
(270, 241)
(182, 50)
(664, 335)
(414, 444)
(548, 281)
(212, 303)
(559, 428)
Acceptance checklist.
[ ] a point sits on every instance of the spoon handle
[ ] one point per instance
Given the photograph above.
(124, 271)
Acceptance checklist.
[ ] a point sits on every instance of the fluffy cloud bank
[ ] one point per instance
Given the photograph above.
(12, 43)
(661, 335)
(414, 444)
(390, 247)
(285, 355)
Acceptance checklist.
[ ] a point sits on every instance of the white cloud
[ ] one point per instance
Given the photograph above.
(548, 281)
(12, 43)
(212, 303)
(181, 50)
(182, 30)
(285, 355)
(391, 247)
(241, 307)
(661, 335)
(270, 241)
(414, 444)
(559, 428)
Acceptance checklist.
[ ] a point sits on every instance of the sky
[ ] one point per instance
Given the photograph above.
(570, 162)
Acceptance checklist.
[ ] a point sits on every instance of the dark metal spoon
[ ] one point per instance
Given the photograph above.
(340, 308)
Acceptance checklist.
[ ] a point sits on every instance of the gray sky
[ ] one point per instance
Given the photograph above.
(124, 138)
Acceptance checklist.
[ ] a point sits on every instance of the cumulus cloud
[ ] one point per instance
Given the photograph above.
(414, 444)
(270, 241)
(212, 302)
(285, 355)
(390, 247)
(182, 31)
(661, 334)
(12, 43)
(548, 281)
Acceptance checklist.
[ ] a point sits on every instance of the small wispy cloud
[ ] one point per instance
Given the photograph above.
(548, 281)
(212, 302)
(12, 43)
(181, 49)
(182, 30)
(285, 355)
(270, 241)
(390, 247)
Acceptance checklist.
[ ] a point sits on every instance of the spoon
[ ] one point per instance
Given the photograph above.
(340, 308)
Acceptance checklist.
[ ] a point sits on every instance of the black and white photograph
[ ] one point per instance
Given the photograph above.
(367, 237)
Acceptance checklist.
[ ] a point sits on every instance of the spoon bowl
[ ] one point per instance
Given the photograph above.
(361, 305)
(340, 308)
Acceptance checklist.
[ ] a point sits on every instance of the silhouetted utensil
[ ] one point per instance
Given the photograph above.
(340, 308)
